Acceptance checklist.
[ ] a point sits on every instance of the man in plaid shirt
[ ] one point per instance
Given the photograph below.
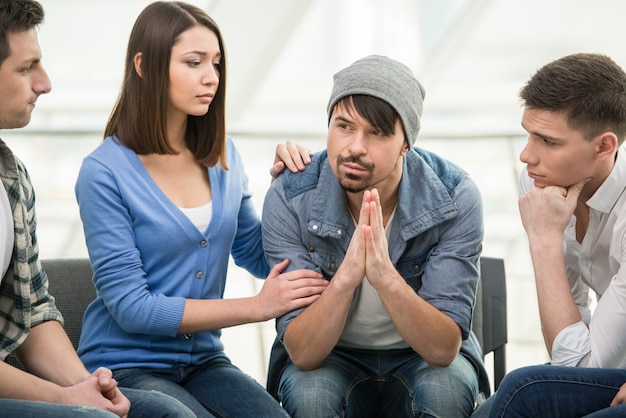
(57, 384)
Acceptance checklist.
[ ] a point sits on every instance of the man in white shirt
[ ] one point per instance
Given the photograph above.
(573, 207)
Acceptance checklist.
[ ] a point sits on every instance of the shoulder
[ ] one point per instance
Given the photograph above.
(419, 160)
(108, 158)
(294, 184)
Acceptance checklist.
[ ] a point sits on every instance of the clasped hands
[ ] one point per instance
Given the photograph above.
(99, 390)
(368, 254)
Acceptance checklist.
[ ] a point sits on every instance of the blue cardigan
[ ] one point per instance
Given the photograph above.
(148, 258)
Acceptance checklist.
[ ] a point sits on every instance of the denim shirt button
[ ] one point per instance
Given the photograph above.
(199, 275)
(416, 268)
(333, 267)
(311, 249)
(314, 227)
(187, 336)
(339, 232)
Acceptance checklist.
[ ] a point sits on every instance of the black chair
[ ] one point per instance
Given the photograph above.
(70, 282)
(490, 316)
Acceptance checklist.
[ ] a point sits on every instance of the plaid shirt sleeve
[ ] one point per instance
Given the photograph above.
(24, 298)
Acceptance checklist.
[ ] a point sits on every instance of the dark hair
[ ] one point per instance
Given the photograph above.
(590, 89)
(17, 16)
(377, 112)
(139, 117)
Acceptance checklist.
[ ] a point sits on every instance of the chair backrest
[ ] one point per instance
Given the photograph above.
(490, 314)
(70, 282)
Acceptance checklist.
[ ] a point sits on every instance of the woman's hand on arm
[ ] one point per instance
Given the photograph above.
(285, 292)
(281, 293)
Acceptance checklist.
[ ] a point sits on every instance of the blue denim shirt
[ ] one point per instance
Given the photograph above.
(435, 238)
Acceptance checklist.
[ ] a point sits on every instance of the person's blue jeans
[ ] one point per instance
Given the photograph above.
(374, 383)
(153, 404)
(144, 404)
(34, 409)
(214, 389)
(553, 391)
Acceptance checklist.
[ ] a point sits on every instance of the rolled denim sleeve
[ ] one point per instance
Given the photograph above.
(451, 274)
(282, 238)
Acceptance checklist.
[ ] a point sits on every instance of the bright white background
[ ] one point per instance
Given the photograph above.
(472, 56)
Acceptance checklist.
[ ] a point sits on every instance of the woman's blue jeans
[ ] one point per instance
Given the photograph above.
(214, 389)
(553, 391)
(379, 383)
(144, 404)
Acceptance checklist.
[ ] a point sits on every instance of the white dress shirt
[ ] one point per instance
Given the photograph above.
(599, 264)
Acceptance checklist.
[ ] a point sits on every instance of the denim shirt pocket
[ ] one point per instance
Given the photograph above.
(327, 262)
(411, 268)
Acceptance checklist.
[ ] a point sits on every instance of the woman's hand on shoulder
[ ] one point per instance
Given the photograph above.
(292, 156)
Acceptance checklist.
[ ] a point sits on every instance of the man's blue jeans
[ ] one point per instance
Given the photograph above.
(33, 409)
(144, 404)
(553, 391)
(375, 383)
(214, 389)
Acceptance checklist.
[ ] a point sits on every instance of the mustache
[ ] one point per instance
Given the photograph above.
(354, 160)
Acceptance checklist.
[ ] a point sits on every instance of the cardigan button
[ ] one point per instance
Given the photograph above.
(203, 243)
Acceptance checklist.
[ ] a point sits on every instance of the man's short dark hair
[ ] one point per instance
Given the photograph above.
(376, 111)
(589, 89)
(17, 16)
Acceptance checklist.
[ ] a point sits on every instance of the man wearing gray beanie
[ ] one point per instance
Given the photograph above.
(398, 233)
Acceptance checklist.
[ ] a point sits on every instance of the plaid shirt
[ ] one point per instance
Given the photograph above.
(24, 298)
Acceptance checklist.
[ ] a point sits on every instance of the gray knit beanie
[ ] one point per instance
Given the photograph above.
(388, 80)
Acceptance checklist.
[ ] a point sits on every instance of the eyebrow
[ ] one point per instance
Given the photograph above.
(342, 119)
(540, 135)
(202, 53)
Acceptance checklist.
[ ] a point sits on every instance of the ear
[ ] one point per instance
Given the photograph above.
(607, 146)
(405, 148)
(137, 62)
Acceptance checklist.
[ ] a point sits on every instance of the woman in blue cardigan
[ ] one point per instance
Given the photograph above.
(164, 203)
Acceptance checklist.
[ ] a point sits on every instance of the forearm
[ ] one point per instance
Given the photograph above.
(430, 332)
(312, 335)
(207, 314)
(17, 384)
(557, 308)
(48, 353)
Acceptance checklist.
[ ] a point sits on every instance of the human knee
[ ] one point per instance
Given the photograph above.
(444, 392)
(311, 394)
(155, 404)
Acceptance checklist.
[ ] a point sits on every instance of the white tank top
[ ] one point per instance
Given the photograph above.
(200, 216)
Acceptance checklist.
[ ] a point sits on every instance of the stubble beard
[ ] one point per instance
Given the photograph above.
(351, 183)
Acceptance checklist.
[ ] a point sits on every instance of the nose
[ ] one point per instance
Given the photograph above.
(528, 156)
(357, 144)
(212, 76)
(41, 82)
